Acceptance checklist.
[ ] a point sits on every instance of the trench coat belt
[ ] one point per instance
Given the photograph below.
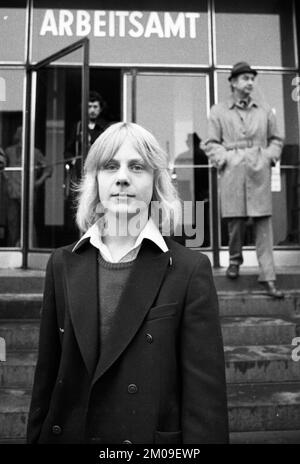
(249, 143)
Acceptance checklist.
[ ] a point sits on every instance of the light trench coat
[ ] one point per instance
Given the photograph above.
(243, 144)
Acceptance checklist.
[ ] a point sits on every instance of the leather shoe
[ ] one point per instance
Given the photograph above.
(233, 271)
(272, 290)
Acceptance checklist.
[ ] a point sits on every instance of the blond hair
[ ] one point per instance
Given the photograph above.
(104, 148)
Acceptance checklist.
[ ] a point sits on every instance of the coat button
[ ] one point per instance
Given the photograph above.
(56, 430)
(127, 442)
(149, 338)
(132, 388)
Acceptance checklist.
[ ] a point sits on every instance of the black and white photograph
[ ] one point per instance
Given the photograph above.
(149, 226)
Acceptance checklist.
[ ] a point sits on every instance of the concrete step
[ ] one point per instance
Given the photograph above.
(18, 370)
(23, 334)
(270, 406)
(32, 281)
(13, 441)
(287, 278)
(262, 407)
(278, 437)
(244, 364)
(28, 305)
(21, 281)
(14, 406)
(257, 331)
(20, 334)
(266, 363)
(20, 305)
(254, 304)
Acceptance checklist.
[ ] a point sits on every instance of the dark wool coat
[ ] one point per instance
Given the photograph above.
(160, 377)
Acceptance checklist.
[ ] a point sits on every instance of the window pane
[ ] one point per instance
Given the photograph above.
(174, 108)
(11, 115)
(280, 92)
(260, 32)
(12, 30)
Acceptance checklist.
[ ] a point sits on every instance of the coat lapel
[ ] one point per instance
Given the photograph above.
(81, 282)
(144, 283)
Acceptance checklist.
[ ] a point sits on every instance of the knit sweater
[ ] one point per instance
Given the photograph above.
(112, 281)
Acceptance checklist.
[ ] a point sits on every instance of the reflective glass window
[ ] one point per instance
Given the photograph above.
(175, 107)
(260, 31)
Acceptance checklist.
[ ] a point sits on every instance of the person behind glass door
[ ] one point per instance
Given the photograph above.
(97, 123)
(243, 143)
(193, 183)
(130, 341)
(14, 185)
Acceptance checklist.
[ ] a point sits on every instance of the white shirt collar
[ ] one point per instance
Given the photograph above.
(150, 232)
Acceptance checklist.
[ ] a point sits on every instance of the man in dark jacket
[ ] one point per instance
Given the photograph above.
(96, 124)
(74, 156)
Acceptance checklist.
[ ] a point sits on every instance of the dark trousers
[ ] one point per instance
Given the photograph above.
(263, 243)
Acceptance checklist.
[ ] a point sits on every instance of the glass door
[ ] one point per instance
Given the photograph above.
(58, 144)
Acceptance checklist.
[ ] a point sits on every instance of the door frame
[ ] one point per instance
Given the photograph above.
(29, 123)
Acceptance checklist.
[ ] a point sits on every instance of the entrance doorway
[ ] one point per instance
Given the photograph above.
(57, 129)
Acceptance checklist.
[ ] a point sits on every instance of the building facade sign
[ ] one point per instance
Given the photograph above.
(125, 37)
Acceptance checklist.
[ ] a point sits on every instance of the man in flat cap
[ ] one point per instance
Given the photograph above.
(243, 143)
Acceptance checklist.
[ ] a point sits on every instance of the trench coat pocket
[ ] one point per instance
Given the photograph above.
(168, 438)
(162, 311)
(267, 156)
